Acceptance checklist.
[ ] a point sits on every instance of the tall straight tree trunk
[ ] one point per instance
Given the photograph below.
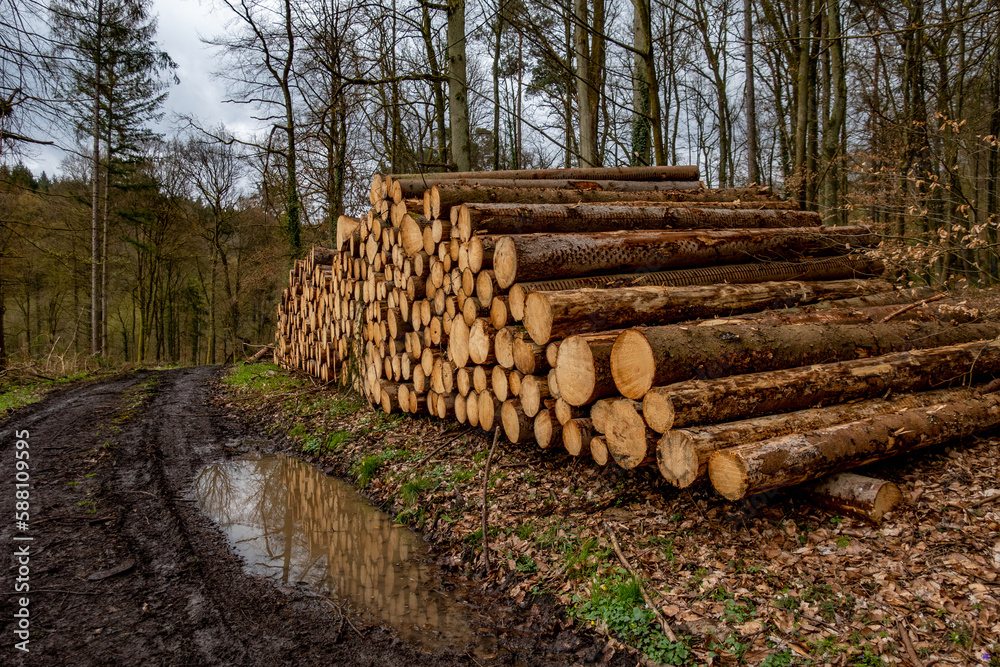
(104, 242)
(753, 174)
(95, 187)
(440, 111)
(458, 102)
(802, 99)
(293, 211)
(589, 75)
(497, 33)
(641, 106)
(993, 170)
(838, 111)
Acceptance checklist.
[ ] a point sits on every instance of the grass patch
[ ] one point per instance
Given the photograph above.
(260, 377)
(16, 395)
(616, 603)
(365, 469)
(410, 491)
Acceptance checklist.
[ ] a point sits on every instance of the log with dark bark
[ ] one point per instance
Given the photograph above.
(413, 187)
(454, 195)
(549, 315)
(682, 454)
(756, 394)
(563, 218)
(793, 459)
(659, 173)
(656, 356)
(827, 268)
(849, 493)
(527, 257)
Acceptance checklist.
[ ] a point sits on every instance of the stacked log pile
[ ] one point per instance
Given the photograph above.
(632, 315)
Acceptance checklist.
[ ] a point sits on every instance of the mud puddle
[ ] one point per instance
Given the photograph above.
(296, 525)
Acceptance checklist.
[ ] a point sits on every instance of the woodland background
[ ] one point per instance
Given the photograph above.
(174, 247)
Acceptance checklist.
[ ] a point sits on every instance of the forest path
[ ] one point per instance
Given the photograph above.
(124, 567)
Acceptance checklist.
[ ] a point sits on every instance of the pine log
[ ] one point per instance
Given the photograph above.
(583, 369)
(347, 228)
(547, 429)
(849, 493)
(517, 426)
(480, 379)
(461, 415)
(793, 459)
(534, 389)
(472, 408)
(481, 337)
(486, 180)
(932, 312)
(499, 313)
(756, 394)
(682, 454)
(565, 411)
(549, 315)
(576, 436)
(454, 195)
(829, 268)
(503, 345)
(630, 442)
(529, 357)
(659, 173)
(458, 343)
(500, 383)
(563, 218)
(487, 409)
(599, 450)
(656, 356)
(527, 257)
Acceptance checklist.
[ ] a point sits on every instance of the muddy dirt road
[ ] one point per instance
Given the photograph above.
(125, 569)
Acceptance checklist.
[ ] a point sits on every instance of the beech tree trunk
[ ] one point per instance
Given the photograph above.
(682, 454)
(458, 103)
(455, 195)
(743, 396)
(415, 187)
(792, 459)
(527, 257)
(644, 358)
(549, 315)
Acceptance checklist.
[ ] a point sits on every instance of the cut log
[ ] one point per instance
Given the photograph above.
(562, 218)
(499, 383)
(849, 493)
(599, 450)
(486, 180)
(660, 173)
(682, 454)
(576, 436)
(756, 394)
(529, 357)
(793, 459)
(517, 426)
(526, 257)
(656, 356)
(503, 345)
(481, 337)
(549, 315)
(829, 268)
(487, 410)
(547, 429)
(499, 314)
(583, 370)
(458, 343)
(347, 228)
(630, 442)
(454, 195)
(565, 411)
(534, 389)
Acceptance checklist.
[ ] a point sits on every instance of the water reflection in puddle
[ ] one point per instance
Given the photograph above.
(291, 522)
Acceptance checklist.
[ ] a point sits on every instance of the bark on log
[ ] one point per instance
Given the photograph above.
(828, 268)
(527, 257)
(485, 180)
(849, 493)
(682, 454)
(563, 218)
(454, 195)
(756, 394)
(529, 357)
(549, 315)
(793, 459)
(656, 356)
(659, 173)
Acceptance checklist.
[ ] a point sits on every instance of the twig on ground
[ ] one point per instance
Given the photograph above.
(259, 354)
(908, 645)
(904, 309)
(486, 513)
(427, 458)
(645, 596)
(982, 501)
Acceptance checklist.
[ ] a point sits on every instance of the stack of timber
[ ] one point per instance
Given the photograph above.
(633, 315)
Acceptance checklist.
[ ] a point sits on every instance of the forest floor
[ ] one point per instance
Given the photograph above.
(124, 568)
(768, 581)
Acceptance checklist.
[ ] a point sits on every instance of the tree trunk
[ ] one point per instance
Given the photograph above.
(683, 454)
(802, 99)
(761, 466)
(753, 175)
(527, 257)
(454, 195)
(95, 187)
(587, 112)
(550, 315)
(838, 112)
(458, 103)
(833, 268)
(564, 218)
(757, 394)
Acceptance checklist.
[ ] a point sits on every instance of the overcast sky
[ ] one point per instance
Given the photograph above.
(182, 24)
